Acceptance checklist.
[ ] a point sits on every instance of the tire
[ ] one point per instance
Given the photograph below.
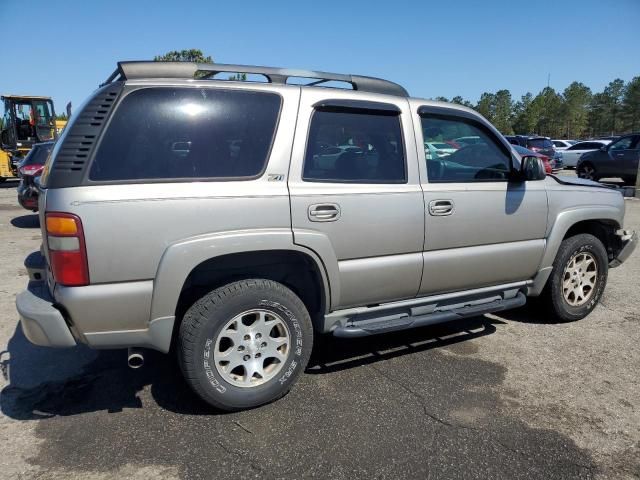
(587, 171)
(553, 298)
(226, 323)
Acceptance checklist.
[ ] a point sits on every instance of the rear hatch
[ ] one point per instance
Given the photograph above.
(541, 145)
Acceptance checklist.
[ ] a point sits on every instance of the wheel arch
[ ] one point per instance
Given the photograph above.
(602, 221)
(203, 262)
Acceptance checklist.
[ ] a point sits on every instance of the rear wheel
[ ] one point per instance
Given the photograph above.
(587, 171)
(245, 344)
(578, 278)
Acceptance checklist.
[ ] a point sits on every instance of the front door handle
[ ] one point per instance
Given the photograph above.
(324, 212)
(440, 208)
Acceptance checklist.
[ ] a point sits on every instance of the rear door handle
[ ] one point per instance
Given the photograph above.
(324, 212)
(440, 208)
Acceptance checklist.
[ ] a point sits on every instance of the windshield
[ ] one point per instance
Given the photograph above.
(38, 155)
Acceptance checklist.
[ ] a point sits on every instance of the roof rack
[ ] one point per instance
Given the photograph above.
(151, 69)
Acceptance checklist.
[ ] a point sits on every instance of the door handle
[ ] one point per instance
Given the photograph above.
(440, 208)
(324, 212)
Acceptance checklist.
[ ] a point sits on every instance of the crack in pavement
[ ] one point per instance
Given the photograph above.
(421, 401)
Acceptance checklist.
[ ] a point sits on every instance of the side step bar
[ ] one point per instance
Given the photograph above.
(404, 321)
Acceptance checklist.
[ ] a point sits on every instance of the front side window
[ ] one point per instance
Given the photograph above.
(461, 150)
(355, 147)
(174, 133)
(622, 144)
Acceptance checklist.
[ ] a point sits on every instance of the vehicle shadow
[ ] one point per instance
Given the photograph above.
(46, 382)
(333, 354)
(9, 184)
(532, 312)
(26, 221)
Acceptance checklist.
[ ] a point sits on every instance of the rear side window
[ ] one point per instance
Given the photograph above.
(170, 133)
(362, 147)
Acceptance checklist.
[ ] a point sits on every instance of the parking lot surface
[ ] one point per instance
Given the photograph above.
(508, 396)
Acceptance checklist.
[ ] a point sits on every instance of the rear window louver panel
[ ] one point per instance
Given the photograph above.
(74, 154)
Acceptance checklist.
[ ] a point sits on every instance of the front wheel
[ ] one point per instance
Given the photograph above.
(245, 344)
(587, 171)
(577, 279)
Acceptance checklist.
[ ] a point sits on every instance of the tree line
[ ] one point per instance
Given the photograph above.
(577, 112)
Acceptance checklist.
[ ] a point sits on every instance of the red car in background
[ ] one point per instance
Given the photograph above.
(548, 162)
(28, 169)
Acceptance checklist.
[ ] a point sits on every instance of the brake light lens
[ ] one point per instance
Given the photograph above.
(67, 251)
(33, 170)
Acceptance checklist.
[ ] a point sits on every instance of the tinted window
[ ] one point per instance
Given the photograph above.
(346, 146)
(38, 155)
(559, 144)
(539, 143)
(585, 146)
(166, 133)
(622, 144)
(482, 160)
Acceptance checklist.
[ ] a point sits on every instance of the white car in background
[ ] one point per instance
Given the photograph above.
(563, 144)
(571, 155)
(435, 150)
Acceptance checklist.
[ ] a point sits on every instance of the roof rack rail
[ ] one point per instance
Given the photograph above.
(151, 69)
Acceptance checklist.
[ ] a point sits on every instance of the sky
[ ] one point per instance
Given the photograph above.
(64, 49)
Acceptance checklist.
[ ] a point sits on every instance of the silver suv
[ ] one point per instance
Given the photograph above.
(233, 221)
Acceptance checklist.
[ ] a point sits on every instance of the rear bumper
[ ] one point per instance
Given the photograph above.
(28, 196)
(42, 323)
(629, 243)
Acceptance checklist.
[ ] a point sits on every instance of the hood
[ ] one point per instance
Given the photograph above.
(566, 180)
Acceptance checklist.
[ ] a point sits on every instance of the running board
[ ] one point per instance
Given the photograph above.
(404, 321)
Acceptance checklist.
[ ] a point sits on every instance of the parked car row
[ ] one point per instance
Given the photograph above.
(605, 157)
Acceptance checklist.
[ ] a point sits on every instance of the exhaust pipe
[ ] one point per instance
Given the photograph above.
(135, 358)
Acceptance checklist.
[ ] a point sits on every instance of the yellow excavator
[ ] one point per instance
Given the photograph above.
(27, 120)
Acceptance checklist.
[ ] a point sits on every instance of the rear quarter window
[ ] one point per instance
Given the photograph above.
(186, 133)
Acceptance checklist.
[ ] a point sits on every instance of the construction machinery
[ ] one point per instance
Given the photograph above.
(27, 120)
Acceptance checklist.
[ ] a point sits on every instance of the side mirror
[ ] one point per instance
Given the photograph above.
(603, 148)
(532, 168)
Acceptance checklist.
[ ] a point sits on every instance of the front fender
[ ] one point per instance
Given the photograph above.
(563, 222)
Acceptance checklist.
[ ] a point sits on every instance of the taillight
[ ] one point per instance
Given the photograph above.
(34, 170)
(67, 251)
